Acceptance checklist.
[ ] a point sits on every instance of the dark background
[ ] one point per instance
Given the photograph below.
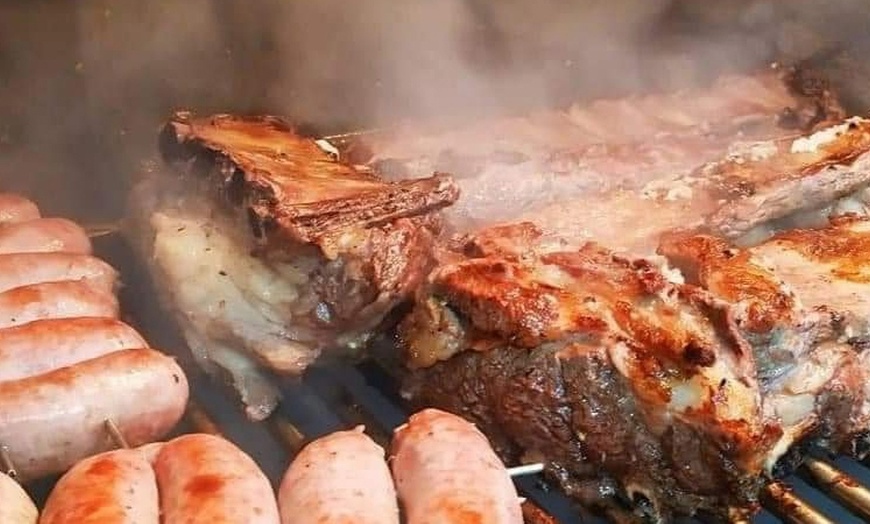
(84, 85)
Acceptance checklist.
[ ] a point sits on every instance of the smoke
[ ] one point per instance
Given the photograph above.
(85, 85)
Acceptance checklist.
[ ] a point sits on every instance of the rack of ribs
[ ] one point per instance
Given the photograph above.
(629, 338)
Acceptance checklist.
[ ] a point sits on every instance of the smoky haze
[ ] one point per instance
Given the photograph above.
(84, 85)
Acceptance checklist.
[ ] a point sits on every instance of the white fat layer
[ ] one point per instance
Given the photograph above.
(328, 148)
(752, 151)
(257, 393)
(857, 203)
(812, 143)
(195, 261)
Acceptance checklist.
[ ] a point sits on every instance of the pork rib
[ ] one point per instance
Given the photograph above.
(516, 165)
(262, 242)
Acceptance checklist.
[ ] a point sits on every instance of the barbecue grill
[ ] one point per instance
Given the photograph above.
(336, 396)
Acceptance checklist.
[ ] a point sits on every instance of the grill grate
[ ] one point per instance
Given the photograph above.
(337, 396)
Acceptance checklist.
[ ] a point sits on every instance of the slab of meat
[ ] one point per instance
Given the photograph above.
(513, 166)
(801, 299)
(261, 241)
(565, 339)
(616, 376)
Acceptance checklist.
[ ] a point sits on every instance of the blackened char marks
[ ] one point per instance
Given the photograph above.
(568, 406)
(284, 179)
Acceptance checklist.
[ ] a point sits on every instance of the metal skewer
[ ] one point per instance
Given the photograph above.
(526, 469)
(101, 230)
(6, 462)
(201, 420)
(115, 434)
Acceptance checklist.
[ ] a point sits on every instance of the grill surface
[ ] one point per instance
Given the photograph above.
(338, 396)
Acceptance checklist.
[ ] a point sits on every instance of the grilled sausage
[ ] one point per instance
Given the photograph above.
(45, 345)
(16, 506)
(208, 480)
(15, 208)
(44, 235)
(23, 269)
(115, 487)
(67, 299)
(446, 471)
(337, 479)
(51, 421)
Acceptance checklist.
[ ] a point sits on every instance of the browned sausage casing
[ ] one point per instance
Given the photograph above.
(15, 208)
(205, 479)
(16, 506)
(115, 487)
(23, 269)
(446, 471)
(44, 235)
(69, 299)
(341, 478)
(45, 345)
(51, 421)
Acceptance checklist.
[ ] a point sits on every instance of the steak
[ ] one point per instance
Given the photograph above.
(260, 241)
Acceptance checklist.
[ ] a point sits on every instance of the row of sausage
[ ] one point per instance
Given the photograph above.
(69, 366)
(442, 470)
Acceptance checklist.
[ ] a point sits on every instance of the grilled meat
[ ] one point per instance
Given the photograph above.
(561, 334)
(800, 300)
(512, 166)
(597, 363)
(262, 242)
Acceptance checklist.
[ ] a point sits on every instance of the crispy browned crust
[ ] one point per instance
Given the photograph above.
(838, 245)
(289, 186)
(590, 293)
(731, 274)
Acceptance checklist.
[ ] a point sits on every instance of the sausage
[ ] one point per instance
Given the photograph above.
(338, 479)
(16, 506)
(45, 345)
(67, 299)
(206, 479)
(115, 487)
(15, 208)
(446, 471)
(53, 420)
(23, 269)
(43, 235)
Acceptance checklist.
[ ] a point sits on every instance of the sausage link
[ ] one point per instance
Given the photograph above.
(69, 299)
(51, 421)
(446, 472)
(43, 235)
(15, 208)
(341, 478)
(24, 269)
(16, 506)
(115, 487)
(204, 479)
(45, 345)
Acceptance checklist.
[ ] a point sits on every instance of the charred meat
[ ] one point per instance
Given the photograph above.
(271, 252)
(564, 332)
